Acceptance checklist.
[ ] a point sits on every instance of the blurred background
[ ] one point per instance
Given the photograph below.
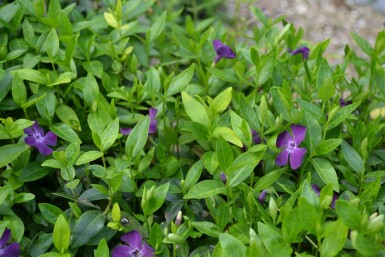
(322, 19)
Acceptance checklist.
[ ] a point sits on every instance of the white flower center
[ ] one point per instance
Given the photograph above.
(291, 146)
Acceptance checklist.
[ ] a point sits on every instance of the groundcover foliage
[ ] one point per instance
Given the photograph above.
(164, 128)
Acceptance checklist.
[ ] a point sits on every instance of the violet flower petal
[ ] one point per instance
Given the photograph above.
(147, 251)
(12, 250)
(125, 131)
(4, 238)
(296, 158)
(316, 189)
(43, 149)
(50, 138)
(217, 44)
(262, 196)
(255, 137)
(226, 52)
(31, 141)
(282, 158)
(29, 131)
(283, 139)
(38, 130)
(153, 122)
(133, 239)
(121, 251)
(299, 133)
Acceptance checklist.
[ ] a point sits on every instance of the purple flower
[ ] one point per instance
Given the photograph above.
(36, 138)
(153, 123)
(262, 196)
(223, 177)
(134, 248)
(343, 103)
(255, 136)
(12, 250)
(318, 192)
(303, 50)
(289, 144)
(223, 51)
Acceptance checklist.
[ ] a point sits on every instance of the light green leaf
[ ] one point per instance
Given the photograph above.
(195, 110)
(221, 101)
(232, 246)
(137, 138)
(352, 158)
(205, 188)
(157, 27)
(9, 153)
(327, 146)
(88, 226)
(61, 234)
(180, 81)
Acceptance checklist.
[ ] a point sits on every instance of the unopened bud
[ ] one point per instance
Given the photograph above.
(178, 219)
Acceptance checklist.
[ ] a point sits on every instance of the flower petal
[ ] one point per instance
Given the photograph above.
(4, 238)
(121, 251)
(38, 130)
(147, 251)
(125, 131)
(226, 52)
(50, 138)
(12, 250)
(29, 131)
(255, 137)
(316, 189)
(133, 239)
(282, 158)
(283, 139)
(296, 158)
(43, 149)
(153, 123)
(299, 133)
(217, 44)
(31, 141)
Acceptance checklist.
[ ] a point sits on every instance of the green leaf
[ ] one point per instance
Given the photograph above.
(327, 90)
(157, 27)
(180, 81)
(23, 197)
(225, 75)
(232, 246)
(110, 134)
(88, 226)
(32, 75)
(340, 115)
(102, 250)
(291, 226)
(353, 158)
(349, 214)
(280, 103)
(224, 153)
(334, 242)
(88, 157)
(52, 44)
(16, 225)
(67, 115)
(272, 239)
(65, 132)
(94, 67)
(9, 153)
(205, 188)
(221, 101)
(362, 43)
(63, 78)
(156, 200)
(312, 109)
(268, 179)
(310, 217)
(19, 91)
(228, 134)
(193, 175)
(90, 90)
(4, 192)
(61, 234)
(326, 171)
(137, 138)
(207, 228)
(50, 212)
(327, 146)
(195, 110)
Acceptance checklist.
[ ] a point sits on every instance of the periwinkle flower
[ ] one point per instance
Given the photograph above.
(135, 246)
(343, 102)
(12, 250)
(303, 50)
(255, 137)
(36, 138)
(262, 196)
(223, 177)
(289, 144)
(223, 51)
(153, 123)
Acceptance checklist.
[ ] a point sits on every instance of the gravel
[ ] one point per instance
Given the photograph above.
(322, 19)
